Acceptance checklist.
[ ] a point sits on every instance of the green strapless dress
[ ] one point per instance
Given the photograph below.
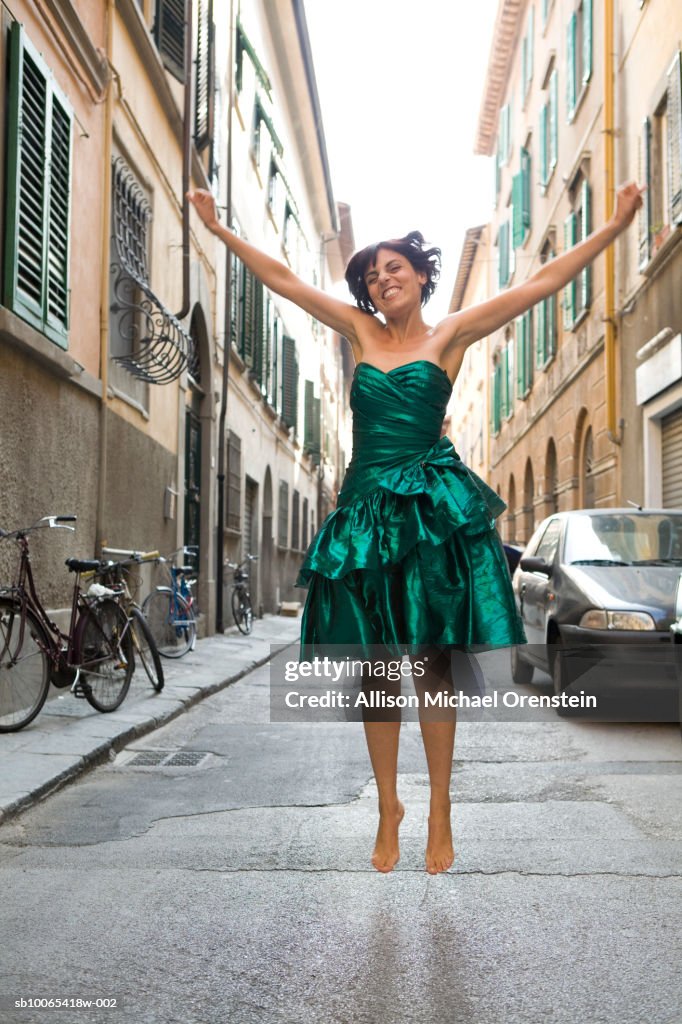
(410, 556)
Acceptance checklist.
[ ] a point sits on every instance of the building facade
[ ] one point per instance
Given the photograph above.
(561, 116)
(117, 306)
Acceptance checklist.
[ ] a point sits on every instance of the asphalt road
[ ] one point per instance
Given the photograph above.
(239, 888)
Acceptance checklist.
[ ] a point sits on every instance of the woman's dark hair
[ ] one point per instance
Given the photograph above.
(412, 247)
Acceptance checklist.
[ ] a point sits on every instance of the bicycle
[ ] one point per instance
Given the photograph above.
(169, 610)
(95, 657)
(242, 609)
(119, 575)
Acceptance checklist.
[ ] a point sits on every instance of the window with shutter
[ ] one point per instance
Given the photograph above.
(585, 228)
(571, 68)
(169, 35)
(204, 86)
(289, 382)
(517, 209)
(283, 515)
(570, 238)
(244, 47)
(503, 254)
(233, 496)
(248, 317)
(525, 192)
(38, 192)
(544, 148)
(309, 418)
(524, 354)
(674, 119)
(295, 523)
(317, 427)
(553, 120)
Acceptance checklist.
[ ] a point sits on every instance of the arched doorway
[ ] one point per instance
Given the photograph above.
(197, 461)
(587, 471)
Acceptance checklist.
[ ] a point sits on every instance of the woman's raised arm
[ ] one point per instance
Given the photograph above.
(275, 275)
(475, 322)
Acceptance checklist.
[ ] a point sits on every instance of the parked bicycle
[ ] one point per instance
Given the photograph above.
(94, 657)
(169, 610)
(120, 575)
(242, 609)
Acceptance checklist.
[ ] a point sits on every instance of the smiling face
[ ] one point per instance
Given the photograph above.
(393, 284)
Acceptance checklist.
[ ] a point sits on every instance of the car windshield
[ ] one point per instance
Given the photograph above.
(619, 537)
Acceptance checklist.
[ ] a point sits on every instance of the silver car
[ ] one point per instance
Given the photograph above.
(597, 587)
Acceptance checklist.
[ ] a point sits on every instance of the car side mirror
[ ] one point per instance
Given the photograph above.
(534, 564)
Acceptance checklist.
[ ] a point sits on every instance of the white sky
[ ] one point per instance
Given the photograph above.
(400, 85)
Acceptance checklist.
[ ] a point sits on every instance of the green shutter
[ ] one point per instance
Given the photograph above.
(204, 74)
(503, 252)
(509, 382)
(517, 209)
(316, 431)
(674, 115)
(169, 35)
(586, 227)
(525, 192)
(309, 392)
(553, 119)
(545, 9)
(248, 302)
(550, 305)
(498, 173)
(544, 170)
(289, 382)
(38, 192)
(520, 360)
(587, 40)
(570, 289)
(541, 335)
(571, 70)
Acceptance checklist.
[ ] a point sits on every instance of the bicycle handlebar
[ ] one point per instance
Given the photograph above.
(133, 556)
(45, 522)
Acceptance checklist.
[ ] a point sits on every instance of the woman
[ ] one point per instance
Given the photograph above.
(410, 556)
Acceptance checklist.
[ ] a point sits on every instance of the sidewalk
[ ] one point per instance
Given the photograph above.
(69, 737)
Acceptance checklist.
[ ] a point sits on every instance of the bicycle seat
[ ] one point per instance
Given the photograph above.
(184, 569)
(82, 564)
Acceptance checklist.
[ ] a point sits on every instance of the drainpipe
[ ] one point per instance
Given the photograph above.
(227, 346)
(186, 157)
(615, 431)
(104, 287)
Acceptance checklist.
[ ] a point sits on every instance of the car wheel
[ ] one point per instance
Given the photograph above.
(561, 676)
(521, 671)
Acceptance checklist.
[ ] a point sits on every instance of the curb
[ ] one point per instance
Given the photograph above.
(107, 749)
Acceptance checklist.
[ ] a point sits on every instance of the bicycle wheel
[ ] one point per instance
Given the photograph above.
(172, 622)
(242, 611)
(24, 667)
(145, 645)
(105, 655)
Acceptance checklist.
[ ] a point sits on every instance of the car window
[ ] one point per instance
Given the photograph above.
(550, 541)
(623, 537)
(532, 546)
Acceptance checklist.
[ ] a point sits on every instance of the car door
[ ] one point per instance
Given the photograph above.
(536, 587)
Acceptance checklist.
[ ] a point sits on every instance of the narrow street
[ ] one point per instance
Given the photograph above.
(239, 888)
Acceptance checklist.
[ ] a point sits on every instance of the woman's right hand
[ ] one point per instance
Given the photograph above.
(204, 204)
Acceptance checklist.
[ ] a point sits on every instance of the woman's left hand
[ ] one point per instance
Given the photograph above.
(628, 202)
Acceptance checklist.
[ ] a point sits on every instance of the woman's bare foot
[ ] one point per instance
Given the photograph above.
(386, 852)
(440, 853)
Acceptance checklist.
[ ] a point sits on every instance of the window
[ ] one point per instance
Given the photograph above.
(204, 86)
(169, 35)
(548, 133)
(496, 395)
(289, 407)
(524, 354)
(545, 348)
(295, 524)
(578, 55)
(283, 515)
(521, 201)
(272, 187)
(233, 496)
(37, 211)
(546, 6)
(304, 524)
(244, 48)
(504, 261)
(661, 168)
(311, 426)
(577, 226)
(504, 134)
(506, 402)
(261, 121)
(549, 544)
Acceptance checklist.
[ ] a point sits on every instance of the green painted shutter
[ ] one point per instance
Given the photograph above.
(525, 192)
(550, 305)
(586, 227)
(553, 119)
(645, 179)
(517, 209)
(570, 289)
(169, 35)
(520, 360)
(316, 431)
(544, 170)
(309, 396)
(571, 71)
(289, 382)
(674, 107)
(509, 382)
(545, 9)
(587, 40)
(38, 192)
(248, 301)
(541, 334)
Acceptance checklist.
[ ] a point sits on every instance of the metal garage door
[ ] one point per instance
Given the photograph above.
(671, 458)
